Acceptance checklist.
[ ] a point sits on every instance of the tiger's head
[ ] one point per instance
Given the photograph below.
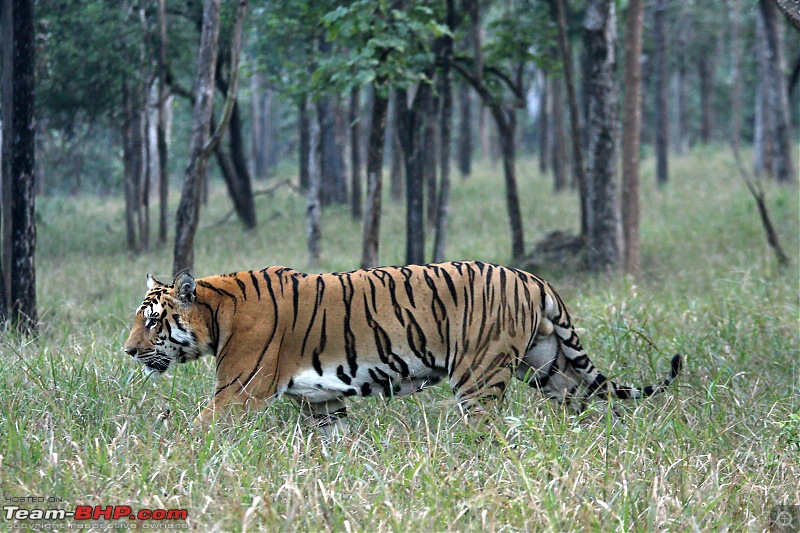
(162, 331)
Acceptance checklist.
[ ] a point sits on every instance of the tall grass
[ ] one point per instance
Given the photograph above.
(719, 450)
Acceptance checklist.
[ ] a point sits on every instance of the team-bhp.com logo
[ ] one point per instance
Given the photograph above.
(94, 512)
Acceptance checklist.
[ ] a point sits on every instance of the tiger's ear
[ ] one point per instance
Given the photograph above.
(152, 282)
(185, 287)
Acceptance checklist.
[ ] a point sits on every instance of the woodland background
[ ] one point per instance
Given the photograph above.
(641, 155)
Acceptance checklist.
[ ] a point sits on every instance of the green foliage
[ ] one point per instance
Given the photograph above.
(716, 452)
(384, 44)
(85, 52)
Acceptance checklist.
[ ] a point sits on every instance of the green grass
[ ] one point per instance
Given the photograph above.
(719, 450)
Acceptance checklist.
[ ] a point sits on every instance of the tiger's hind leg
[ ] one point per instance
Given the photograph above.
(328, 416)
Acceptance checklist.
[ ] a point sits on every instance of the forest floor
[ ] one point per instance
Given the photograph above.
(81, 425)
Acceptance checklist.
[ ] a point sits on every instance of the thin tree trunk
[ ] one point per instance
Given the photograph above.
(705, 73)
(736, 66)
(375, 146)
(201, 145)
(604, 224)
(661, 89)
(465, 131)
(396, 176)
(313, 201)
(777, 95)
(235, 168)
(445, 127)
(578, 167)
(430, 142)
(506, 126)
(161, 128)
(631, 130)
(544, 128)
(356, 210)
(132, 165)
(304, 145)
(18, 177)
(559, 153)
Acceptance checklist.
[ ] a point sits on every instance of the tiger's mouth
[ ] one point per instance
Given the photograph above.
(154, 363)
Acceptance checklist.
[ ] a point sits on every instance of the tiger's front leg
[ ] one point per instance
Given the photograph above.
(224, 402)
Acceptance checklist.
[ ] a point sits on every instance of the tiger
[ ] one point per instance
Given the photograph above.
(391, 331)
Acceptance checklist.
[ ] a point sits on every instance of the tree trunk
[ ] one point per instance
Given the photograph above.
(762, 122)
(706, 75)
(736, 67)
(506, 126)
(313, 201)
(661, 90)
(235, 168)
(544, 128)
(430, 141)
(631, 129)
(18, 178)
(161, 126)
(777, 95)
(411, 127)
(683, 35)
(465, 131)
(445, 127)
(304, 145)
(132, 165)
(333, 188)
(396, 176)
(604, 225)
(372, 216)
(578, 167)
(356, 210)
(201, 144)
(559, 153)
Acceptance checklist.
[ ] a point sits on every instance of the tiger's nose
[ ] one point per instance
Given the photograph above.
(130, 351)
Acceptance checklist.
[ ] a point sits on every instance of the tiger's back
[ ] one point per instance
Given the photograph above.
(318, 338)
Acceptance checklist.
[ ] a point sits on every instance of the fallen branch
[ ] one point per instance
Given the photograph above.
(758, 195)
(264, 192)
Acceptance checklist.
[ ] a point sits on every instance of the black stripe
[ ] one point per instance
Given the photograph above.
(254, 280)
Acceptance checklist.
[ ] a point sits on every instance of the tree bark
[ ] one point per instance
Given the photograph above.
(736, 66)
(762, 121)
(396, 176)
(201, 145)
(133, 165)
(791, 10)
(777, 95)
(410, 128)
(604, 225)
(235, 168)
(304, 145)
(333, 188)
(631, 130)
(661, 90)
(706, 75)
(544, 128)
(356, 209)
(161, 127)
(559, 153)
(313, 201)
(430, 142)
(375, 146)
(465, 131)
(18, 157)
(445, 127)
(578, 167)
